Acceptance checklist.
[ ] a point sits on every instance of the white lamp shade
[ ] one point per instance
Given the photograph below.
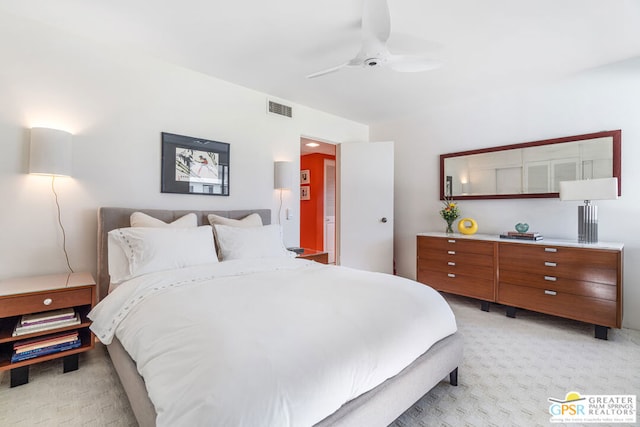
(50, 152)
(283, 175)
(589, 189)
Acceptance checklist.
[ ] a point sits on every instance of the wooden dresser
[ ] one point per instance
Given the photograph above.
(30, 295)
(562, 278)
(314, 255)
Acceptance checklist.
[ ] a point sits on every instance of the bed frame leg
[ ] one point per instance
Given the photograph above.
(453, 377)
(485, 305)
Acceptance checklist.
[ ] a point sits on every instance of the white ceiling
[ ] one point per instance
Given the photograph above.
(270, 46)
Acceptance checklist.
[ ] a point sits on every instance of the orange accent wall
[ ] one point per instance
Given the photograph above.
(312, 211)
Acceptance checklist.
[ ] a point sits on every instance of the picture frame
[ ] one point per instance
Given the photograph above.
(305, 176)
(305, 193)
(194, 165)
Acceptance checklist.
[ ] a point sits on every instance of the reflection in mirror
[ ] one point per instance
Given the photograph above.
(532, 169)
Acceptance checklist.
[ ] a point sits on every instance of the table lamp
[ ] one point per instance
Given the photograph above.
(588, 190)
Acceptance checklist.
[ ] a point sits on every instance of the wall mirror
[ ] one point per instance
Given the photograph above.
(530, 169)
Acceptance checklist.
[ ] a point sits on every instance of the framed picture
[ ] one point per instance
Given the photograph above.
(194, 165)
(305, 177)
(305, 193)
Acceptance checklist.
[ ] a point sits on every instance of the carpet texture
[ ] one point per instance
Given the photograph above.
(511, 367)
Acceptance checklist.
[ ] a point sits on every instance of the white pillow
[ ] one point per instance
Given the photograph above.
(152, 249)
(118, 262)
(251, 242)
(251, 220)
(139, 219)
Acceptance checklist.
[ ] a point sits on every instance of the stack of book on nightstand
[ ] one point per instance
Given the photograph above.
(530, 235)
(46, 320)
(48, 344)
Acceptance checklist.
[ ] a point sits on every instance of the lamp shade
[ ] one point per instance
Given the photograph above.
(50, 152)
(283, 175)
(589, 189)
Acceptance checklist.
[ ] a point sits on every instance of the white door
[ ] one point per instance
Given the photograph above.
(365, 206)
(330, 209)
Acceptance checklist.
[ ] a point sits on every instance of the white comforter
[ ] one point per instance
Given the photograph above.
(270, 342)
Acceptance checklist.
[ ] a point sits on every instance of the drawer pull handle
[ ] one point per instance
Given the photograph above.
(550, 264)
(451, 241)
(451, 252)
(550, 278)
(550, 249)
(47, 301)
(451, 263)
(451, 275)
(547, 292)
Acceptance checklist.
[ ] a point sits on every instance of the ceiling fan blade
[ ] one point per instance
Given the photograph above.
(328, 71)
(411, 63)
(376, 20)
(376, 29)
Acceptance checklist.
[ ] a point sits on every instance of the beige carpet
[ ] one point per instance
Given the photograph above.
(511, 367)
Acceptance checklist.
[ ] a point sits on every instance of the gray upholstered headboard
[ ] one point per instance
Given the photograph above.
(112, 218)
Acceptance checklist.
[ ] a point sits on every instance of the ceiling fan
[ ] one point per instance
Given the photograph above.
(376, 28)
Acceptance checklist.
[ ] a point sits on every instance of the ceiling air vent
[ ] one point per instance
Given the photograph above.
(280, 109)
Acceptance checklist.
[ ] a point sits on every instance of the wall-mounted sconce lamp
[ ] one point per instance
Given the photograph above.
(282, 175)
(282, 179)
(466, 187)
(50, 154)
(587, 190)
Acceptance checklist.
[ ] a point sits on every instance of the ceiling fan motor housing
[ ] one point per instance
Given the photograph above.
(372, 62)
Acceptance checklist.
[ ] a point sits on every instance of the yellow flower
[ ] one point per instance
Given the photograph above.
(450, 211)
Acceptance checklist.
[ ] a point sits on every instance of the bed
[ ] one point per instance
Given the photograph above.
(376, 401)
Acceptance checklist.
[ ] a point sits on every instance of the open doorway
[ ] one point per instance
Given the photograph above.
(318, 196)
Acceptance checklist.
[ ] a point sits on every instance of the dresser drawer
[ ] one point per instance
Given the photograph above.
(576, 257)
(469, 264)
(322, 258)
(558, 303)
(557, 270)
(555, 283)
(44, 301)
(455, 244)
(459, 284)
(457, 257)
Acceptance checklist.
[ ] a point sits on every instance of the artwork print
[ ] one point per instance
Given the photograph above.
(194, 165)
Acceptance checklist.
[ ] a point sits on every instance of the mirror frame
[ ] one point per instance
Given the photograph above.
(615, 134)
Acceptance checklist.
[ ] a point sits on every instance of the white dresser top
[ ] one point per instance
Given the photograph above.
(555, 242)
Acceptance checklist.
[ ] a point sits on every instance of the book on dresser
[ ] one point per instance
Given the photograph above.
(531, 235)
(48, 344)
(47, 316)
(44, 321)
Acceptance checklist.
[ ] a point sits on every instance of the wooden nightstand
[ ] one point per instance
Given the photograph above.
(315, 255)
(30, 295)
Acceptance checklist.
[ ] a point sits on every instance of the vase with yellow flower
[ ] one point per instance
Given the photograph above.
(450, 212)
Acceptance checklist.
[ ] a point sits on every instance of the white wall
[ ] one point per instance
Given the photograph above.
(602, 99)
(116, 104)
